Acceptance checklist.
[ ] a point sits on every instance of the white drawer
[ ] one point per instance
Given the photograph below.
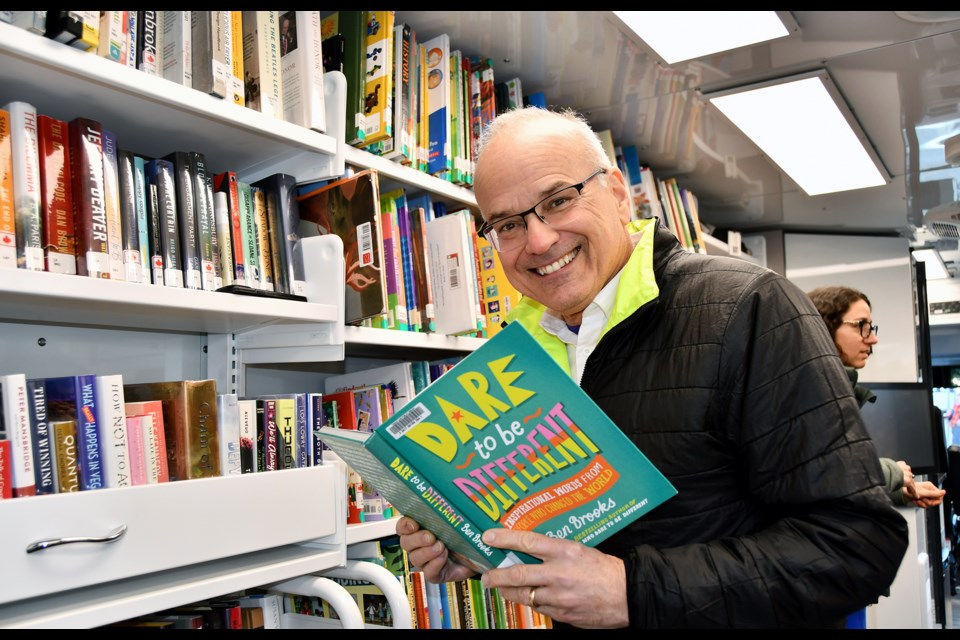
(168, 525)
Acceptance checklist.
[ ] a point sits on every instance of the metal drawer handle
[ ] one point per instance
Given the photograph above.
(113, 536)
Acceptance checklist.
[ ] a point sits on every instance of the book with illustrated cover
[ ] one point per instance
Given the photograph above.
(189, 424)
(498, 295)
(247, 410)
(420, 261)
(64, 433)
(226, 183)
(450, 252)
(26, 184)
(56, 196)
(437, 92)
(74, 398)
(396, 316)
(378, 77)
(507, 439)
(350, 208)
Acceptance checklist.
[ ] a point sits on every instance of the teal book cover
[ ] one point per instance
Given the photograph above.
(506, 439)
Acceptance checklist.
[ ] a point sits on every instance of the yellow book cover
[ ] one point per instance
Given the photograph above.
(235, 90)
(498, 295)
(378, 88)
(8, 234)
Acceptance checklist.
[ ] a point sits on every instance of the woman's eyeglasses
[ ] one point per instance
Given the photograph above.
(866, 329)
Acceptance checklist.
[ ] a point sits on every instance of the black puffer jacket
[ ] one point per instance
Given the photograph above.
(731, 385)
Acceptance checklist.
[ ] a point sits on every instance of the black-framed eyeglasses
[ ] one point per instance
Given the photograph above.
(866, 329)
(510, 232)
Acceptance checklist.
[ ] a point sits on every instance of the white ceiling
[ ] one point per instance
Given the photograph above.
(899, 72)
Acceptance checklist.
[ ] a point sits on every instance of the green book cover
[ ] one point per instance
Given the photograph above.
(505, 439)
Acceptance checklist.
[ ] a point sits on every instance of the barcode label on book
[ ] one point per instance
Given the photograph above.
(453, 270)
(365, 244)
(414, 415)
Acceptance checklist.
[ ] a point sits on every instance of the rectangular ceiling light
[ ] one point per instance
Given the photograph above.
(933, 264)
(803, 124)
(676, 36)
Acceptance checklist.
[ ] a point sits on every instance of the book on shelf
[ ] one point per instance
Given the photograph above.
(26, 184)
(133, 425)
(499, 295)
(44, 463)
(398, 200)
(396, 315)
(283, 213)
(301, 69)
(208, 51)
(247, 418)
(111, 423)
(251, 242)
(228, 415)
(156, 466)
(187, 212)
(8, 228)
(189, 423)
(176, 47)
(74, 398)
(350, 208)
(15, 406)
(351, 25)
(113, 35)
(143, 201)
(164, 222)
(129, 217)
(378, 77)
(450, 250)
(263, 88)
(235, 65)
(90, 216)
(401, 146)
(270, 604)
(398, 377)
(148, 42)
(226, 183)
(206, 226)
(420, 259)
(265, 250)
(221, 214)
(6, 475)
(437, 93)
(111, 202)
(64, 433)
(507, 440)
(56, 196)
(80, 29)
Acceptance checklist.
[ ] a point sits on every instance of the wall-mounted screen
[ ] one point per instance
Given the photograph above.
(905, 425)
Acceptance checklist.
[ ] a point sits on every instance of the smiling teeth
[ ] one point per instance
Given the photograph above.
(562, 262)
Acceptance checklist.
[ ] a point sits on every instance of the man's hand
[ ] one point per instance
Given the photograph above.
(429, 554)
(575, 584)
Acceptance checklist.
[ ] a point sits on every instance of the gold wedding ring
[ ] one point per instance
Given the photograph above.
(533, 598)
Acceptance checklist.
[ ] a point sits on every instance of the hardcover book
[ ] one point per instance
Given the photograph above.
(507, 439)
(283, 214)
(129, 217)
(261, 217)
(140, 195)
(221, 213)
(263, 88)
(56, 196)
(176, 51)
(189, 422)
(148, 41)
(44, 466)
(6, 477)
(378, 77)
(74, 398)
(247, 410)
(450, 251)
(226, 182)
(153, 436)
(187, 212)
(111, 201)
(228, 414)
(398, 377)
(301, 69)
(236, 58)
(351, 25)
(164, 221)
(111, 423)
(498, 295)
(8, 229)
(90, 215)
(26, 184)
(15, 407)
(66, 455)
(133, 425)
(208, 46)
(350, 208)
(437, 92)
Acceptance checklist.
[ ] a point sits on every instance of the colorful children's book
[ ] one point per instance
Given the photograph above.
(507, 439)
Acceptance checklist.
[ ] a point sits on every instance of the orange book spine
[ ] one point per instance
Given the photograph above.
(8, 233)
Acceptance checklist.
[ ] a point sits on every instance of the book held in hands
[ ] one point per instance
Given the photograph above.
(505, 439)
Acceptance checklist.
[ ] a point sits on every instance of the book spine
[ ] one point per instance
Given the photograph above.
(16, 421)
(8, 229)
(111, 200)
(177, 47)
(140, 193)
(133, 425)
(301, 69)
(221, 213)
(378, 77)
(112, 35)
(132, 264)
(6, 475)
(148, 43)
(66, 455)
(290, 227)
(56, 195)
(352, 25)
(421, 269)
(130, 42)
(88, 433)
(261, 62)
(227, 183)
(247, 409)
(278, 245)
(236, 58)
(202, 443)
(228, 421)
(207, 52)
(271, 436)
(261, 442)
(286, 421)
(111, 422)
(248, 219)
(186, 219)
(264, 254)
(42, 444)
(80, 29)
(204, 221)
(314, 422)
(162, 180)
(26, 184)
(90, 216)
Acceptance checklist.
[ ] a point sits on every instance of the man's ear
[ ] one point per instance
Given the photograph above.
(620, 190)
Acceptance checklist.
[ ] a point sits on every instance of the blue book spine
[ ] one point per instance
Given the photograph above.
(91, 449)
(303, 452)
(43, 465)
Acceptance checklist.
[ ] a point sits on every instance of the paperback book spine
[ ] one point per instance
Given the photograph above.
(221, 213)
(226, 183)
(176, 46)
(207, 45)
(138, 458)
(301, 64)
(26, 184)
(56, 189)
(130, 224)
(148, 43)
(248, 219)
(236, 58)
(80, 29)
(140, 193)
(111, 200)
(263, 90)
(8, 229)
(90, 215)
(111, 422)
(88, 433)
(228, 417)
(43, 454)
(247, 409)
(264, 255)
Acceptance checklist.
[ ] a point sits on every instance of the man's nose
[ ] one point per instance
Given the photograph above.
(540, 235)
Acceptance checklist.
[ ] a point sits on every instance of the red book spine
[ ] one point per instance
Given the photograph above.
(90, 213)
(6, 477)
(227, 183)
(56, 196)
